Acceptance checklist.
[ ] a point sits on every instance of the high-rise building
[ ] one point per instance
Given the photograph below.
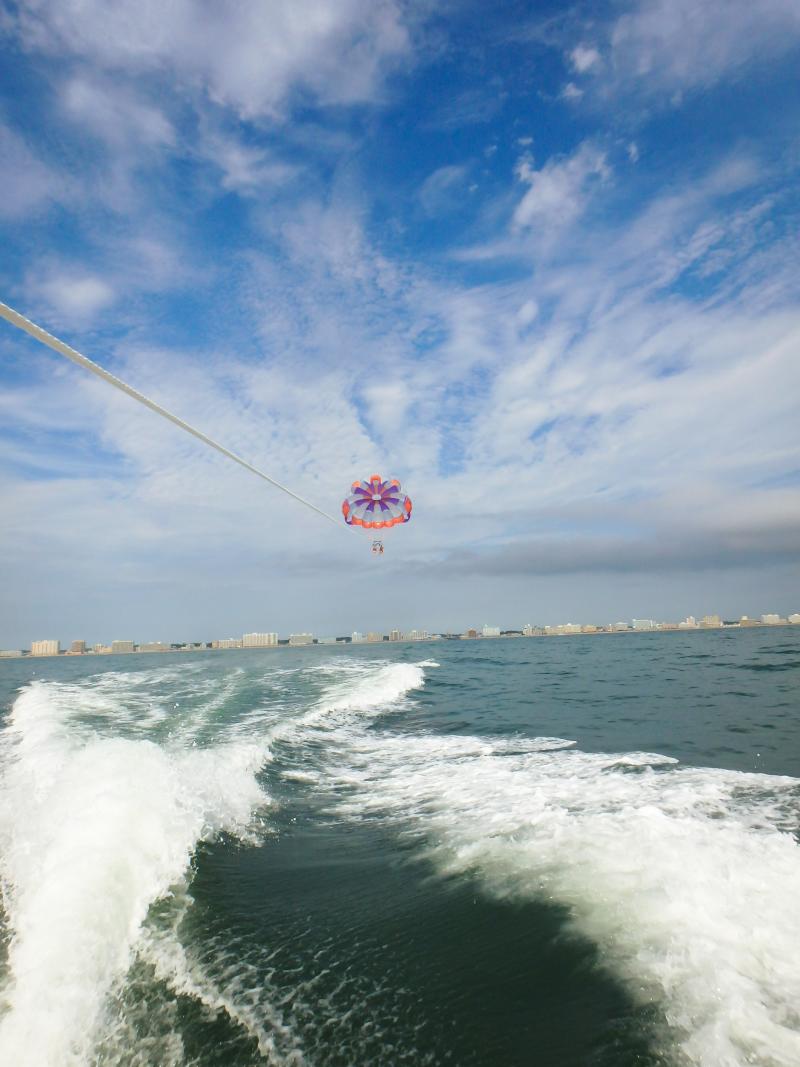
(356, 638)
(45, 648)
(418, 635)
(301, 639)
(490, 631)
(259, 640)
(227, 642)
(122, 646)
(395, 635)
(373, 638)
(77, 648)
(772, 620)
(709, 622)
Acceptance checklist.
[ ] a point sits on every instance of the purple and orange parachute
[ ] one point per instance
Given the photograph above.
(376, 504)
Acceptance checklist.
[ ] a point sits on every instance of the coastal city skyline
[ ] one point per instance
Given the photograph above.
(271, 639)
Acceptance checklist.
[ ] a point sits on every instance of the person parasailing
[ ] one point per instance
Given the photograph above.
(376, 504)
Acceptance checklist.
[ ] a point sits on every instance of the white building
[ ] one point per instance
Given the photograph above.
(794, 619)
(122, 646)
(45, 648)
(259, 640)
(301, 639)
(644, 624)
(772, 620)
(228, 642)
(418, 635)
(326, 640)
(490, 631)
(689, 623)
(356, 637)
(395, 635)
(10, 653)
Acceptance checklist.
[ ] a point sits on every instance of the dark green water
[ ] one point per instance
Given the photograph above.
(550, 852)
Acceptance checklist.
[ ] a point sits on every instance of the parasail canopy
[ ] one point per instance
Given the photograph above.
(376, 504)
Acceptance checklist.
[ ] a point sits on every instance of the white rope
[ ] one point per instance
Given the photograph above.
(63, 349)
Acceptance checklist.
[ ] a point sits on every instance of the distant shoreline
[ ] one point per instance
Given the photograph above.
(24, 655)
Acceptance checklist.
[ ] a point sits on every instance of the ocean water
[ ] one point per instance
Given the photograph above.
(550, 852)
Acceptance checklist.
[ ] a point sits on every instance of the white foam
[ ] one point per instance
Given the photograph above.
(93, 830)
(682, 876)
(238, 991)
(365, 688)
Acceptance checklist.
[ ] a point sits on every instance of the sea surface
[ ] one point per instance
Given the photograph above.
(545, 852)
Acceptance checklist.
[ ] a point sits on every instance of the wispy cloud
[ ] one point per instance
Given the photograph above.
(29, 185)
(247, 56)
(116, 114)
(441, 191)
(657, 50)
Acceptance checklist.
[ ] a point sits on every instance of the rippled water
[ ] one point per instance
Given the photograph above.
(535, 851)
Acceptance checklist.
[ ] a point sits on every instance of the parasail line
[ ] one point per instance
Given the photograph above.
(63, 349)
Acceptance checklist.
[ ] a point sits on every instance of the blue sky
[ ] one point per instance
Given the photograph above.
(539, 262)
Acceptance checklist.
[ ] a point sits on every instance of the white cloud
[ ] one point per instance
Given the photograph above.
(248, 56)
(583, 58)
(558, 191)
(439, 192)
(28, 184)
(571, 92)
(661, 46)
(77, 298)
(75, 292)
(527, 313)
(246, 169)
(633, 152)
(628, 429)
(115, 113)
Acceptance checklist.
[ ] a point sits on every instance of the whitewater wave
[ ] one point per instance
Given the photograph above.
(108, 788)
(93, 830)
(687, 879)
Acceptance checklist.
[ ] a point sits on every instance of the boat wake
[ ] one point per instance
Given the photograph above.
(93, 830)
(687, 879)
